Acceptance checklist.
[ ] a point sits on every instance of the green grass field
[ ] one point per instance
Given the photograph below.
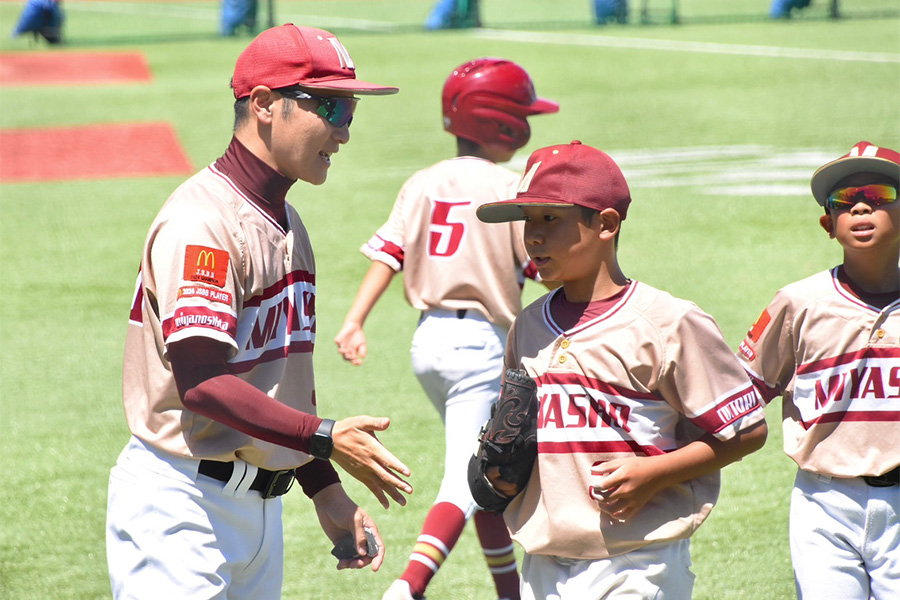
(717, 126)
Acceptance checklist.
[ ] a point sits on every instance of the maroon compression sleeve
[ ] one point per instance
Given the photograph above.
(207, 388)
(315, 476)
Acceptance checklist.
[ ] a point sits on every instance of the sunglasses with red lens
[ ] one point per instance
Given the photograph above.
(874, 195)
(337, 110)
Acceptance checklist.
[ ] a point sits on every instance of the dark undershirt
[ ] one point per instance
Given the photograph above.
(200, 364)
(879, 300)
(263, 185)
(568, 315)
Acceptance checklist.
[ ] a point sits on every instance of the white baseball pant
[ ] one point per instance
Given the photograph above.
(845, 538)
(172, 534)
(459, 363)
(656, 572)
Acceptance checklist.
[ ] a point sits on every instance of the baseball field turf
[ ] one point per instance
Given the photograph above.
(718, 123)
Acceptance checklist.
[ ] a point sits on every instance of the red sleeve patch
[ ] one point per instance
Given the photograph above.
(205, 264)
(761, 323)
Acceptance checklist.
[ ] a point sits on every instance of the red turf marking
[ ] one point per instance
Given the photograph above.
(72, 68)
(92, 152)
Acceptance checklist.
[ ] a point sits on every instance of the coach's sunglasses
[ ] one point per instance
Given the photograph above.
(337, 110)
(874, 195)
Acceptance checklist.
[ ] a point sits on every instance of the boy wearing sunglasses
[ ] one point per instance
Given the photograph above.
(829, 345)
(218, 382)
(465, 279)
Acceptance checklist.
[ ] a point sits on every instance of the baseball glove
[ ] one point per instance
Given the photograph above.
(508, 440)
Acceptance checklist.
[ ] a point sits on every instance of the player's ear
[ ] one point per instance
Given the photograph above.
(262, 100)
(827, 223)
(608, 221)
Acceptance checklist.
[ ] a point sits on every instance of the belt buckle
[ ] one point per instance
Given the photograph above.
(279, 483)
(889, 479)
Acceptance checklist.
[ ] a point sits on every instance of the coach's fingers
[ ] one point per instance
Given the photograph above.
(366, 427)
(358, 451)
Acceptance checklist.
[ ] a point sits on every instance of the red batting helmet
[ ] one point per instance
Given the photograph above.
(487, 100)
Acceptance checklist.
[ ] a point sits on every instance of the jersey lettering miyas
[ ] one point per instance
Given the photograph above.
(835, 361)
(216, 241)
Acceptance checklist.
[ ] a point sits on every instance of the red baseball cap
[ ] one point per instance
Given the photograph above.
(292, 55)
(566, 175)
(864, 157)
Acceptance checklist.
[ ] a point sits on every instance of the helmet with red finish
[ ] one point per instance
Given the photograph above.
(487, 101)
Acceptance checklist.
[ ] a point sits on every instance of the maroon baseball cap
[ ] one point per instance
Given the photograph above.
(292, 55)
(864, 157)
(566, 175)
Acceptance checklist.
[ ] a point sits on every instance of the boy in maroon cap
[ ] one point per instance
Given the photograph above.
(829, 345)
(218, 382)
(641, 401)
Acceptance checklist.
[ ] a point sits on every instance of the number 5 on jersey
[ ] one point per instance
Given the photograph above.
(447, 231)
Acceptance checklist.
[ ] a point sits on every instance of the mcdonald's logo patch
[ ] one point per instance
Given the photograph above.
(208, 265)
(761, 323)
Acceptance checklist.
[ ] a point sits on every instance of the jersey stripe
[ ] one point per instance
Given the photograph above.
(278, 288)
(604, 447)
(851, 357)
(553, 378)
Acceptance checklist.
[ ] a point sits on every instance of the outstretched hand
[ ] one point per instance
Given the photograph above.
(359, 453)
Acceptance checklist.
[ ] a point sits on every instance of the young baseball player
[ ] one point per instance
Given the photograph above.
(829, 345)
(641, 401)
(218, 381)
(466, 280)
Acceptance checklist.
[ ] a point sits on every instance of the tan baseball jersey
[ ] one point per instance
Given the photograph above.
(215, 265)
(450, 259)
(649, 375)
(835, 361)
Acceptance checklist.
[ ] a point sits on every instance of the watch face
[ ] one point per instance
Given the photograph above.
(321, 444)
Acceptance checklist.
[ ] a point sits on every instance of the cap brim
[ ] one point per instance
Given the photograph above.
(828, 176)
(542, 106)
(511, 210)
(363, 88)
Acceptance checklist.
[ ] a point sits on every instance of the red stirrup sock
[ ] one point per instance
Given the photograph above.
(440, 532)
(498, 552)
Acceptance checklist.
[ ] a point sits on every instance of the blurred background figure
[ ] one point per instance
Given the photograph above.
(238, 14)
(41, 17)
(461, 14)
(453, 14)
(610, 10)
(781, 9)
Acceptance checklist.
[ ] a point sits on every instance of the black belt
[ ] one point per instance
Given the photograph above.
(460, 314)
(268, 483)
(888, 479)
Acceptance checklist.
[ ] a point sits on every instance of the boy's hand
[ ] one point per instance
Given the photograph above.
(623, 486)
(351, 343)
(506, 488)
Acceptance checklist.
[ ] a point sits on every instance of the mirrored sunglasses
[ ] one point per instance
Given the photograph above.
(873, 195)
(337, 110)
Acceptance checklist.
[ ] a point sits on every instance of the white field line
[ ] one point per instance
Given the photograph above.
(634, 43)
(170, 11)
(600, 41)
(719, 171)
(212, 14)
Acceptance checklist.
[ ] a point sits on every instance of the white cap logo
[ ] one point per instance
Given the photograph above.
(869, 151)
(525, 183)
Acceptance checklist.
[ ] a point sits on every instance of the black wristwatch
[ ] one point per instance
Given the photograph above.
(321, 444)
